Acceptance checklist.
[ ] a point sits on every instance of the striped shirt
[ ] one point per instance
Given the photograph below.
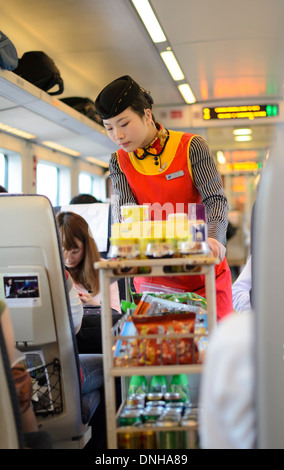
(205, 177)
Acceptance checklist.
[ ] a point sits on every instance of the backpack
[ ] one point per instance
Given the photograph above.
(8, 53)
(84, 106)
(39, 69)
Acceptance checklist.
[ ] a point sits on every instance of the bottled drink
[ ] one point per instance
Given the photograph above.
(179, 384)
(138, 384)
(159, 384)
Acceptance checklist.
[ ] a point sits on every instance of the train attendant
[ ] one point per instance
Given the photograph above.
(155, 165)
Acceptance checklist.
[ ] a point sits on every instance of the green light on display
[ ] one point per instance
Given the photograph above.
(271, 110)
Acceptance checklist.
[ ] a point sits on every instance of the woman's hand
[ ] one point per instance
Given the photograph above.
(87, 299)
(217, 248)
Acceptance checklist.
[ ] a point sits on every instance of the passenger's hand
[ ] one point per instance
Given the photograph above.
(217, 248)
(87, 299)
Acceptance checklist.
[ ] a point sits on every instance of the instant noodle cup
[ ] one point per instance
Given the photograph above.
(133, 213)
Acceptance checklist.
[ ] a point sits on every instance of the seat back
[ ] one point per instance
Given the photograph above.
(11, 434)
(33, 285)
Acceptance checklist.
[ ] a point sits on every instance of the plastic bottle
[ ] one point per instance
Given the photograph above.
(138, 384)
(159, 384)
(179, 384)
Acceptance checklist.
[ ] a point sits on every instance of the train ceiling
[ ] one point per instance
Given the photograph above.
(227, 50)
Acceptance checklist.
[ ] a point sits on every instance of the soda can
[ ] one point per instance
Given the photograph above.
(152, 414)
(136, 399)
(154, 396)
(178, 405)
(172, 397)
(148, 437)
(189, 436)
(133, 407)
(129, 417)
(168, 438)
(154, 404)
(128, 440)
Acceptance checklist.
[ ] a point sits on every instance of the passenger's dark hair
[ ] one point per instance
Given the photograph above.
(2, 189)
(143, 101)
(84, 199)
(73, 227)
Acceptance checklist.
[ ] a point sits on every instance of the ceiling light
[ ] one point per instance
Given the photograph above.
(60, 148)
(221, 157)
(243, 138)
(242, 131)
(97, 162)
(172, 65)
(149, 19)
(187, 93)
(18, 132)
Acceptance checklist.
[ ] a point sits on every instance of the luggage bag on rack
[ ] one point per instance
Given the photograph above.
(39, 69)
(84, 106)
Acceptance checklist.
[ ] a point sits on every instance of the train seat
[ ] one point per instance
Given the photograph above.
(33, 285)
(11, 432)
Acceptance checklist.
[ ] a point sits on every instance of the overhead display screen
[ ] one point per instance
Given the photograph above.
(241, 112)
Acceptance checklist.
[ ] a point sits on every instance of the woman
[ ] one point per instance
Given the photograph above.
(155, 165)
(80, 253)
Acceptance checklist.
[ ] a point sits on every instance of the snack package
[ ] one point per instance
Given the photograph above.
(189, 298)
(151, 304)
(162, 350)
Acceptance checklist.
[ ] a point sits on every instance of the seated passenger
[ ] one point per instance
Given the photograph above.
(33, 438)
(91, 364)
(241, 289)
(84, 199)
(80, 253)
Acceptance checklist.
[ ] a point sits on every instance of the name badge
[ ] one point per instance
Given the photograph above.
(177, 174)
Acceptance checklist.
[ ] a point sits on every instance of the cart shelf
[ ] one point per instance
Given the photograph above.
(109, 270)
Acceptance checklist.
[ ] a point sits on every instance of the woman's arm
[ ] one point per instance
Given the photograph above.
(122, 193)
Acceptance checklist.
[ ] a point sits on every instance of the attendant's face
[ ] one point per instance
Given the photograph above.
(73, 257)
(130, 131)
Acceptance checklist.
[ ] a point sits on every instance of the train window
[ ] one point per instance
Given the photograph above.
(11, 171)
(54, 182)
(85, 183)
(92, 184)
(3, 170)
(47, 182)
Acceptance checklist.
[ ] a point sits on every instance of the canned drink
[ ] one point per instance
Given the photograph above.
(189, 437)
(172, 397)
(129, 417)
(136, 399)
(154, 404)
(133, 407)
(128, 440)
(154, 396)
(152, 414)
(148, 438)
(177, 404)
(168, 439)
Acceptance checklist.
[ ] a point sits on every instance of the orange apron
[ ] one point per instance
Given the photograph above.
(172, 189)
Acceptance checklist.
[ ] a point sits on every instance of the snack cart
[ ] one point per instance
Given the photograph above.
(130, 366)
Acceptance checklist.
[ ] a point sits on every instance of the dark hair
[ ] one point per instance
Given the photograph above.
(143, 101)
(71, 227)
(84, 199)
(2, 189)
